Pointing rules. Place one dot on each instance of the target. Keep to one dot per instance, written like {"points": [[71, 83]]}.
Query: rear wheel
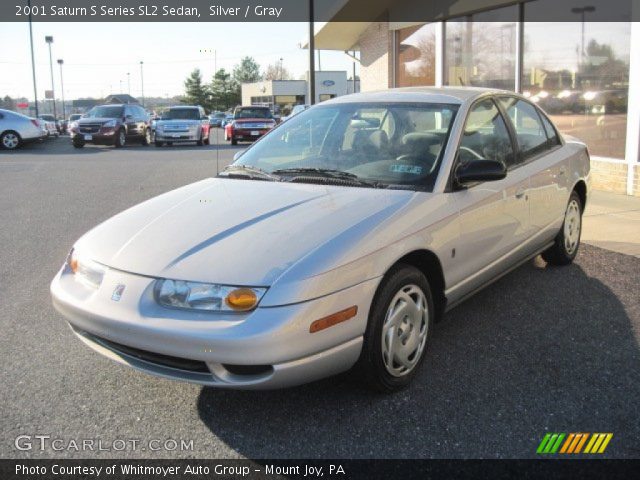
{"points": [[567, 242], [399, 328], [121, 138], [158, 144], [200, 142], [10, 140], [234, 141]]}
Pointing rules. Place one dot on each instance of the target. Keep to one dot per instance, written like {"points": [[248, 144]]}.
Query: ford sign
{"points": [[328, 83]]}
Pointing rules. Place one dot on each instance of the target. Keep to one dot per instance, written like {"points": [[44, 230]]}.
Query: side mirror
{"points": [[480, 171], [238, 155]]}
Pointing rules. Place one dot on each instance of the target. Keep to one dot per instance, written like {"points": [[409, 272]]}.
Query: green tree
{"points": [[248, 71], [225, 91], [196, 93]]}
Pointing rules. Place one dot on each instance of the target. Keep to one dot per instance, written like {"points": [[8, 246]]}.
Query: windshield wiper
{"points": [[327, 173], [247, 171]]}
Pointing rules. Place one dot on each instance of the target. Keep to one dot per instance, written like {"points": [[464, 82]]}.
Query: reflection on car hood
{"points": [[178, 121], [237, 232], [82, 121]]}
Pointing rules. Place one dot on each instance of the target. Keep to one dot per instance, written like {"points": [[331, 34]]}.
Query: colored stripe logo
{"points": [[573, 443]]}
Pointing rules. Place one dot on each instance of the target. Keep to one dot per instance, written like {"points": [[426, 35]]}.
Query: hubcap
{"points": [[572, 225], [404, 332], [10, 140], [123, 138]]}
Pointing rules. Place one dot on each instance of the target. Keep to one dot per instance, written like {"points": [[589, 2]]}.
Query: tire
{"points": [[234, 141], [207, 140], [201, 141], [158, 144], [121, 138], [390, 369], [146, 138], [10, 140], [78, 144], [567, 242], [169, 144]]}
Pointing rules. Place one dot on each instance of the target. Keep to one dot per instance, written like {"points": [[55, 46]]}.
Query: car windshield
{"points": [[383, 144], [219, 115], [75, 117], [105, 112], [181, 114], [48, 118], [253, 113]]}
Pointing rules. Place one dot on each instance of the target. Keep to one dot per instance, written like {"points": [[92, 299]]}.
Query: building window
{"points": [[416, 56], [580, 80], [326, 96], [480, 49]]}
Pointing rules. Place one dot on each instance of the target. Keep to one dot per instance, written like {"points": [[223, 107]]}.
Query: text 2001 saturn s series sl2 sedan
{"points": [[333, 242]]}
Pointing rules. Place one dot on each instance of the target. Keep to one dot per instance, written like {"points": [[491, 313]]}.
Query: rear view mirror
{"points": [[480, 170]]}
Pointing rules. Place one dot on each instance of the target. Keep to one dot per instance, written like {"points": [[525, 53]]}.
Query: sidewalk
{"points": [[612, 221]]}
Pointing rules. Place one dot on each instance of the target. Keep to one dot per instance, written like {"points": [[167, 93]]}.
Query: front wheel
{"points": [[146, 139], [399, 328], [121, 138], [565, 247], [234, 141], [158, 144]]}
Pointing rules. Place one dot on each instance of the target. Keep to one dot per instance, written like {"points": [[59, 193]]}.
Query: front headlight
{"points": [[109, 124], [207, 296], [84, 270]]}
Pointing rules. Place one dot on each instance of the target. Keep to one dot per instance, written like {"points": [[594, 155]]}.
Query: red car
{"points": [[249, 124]]}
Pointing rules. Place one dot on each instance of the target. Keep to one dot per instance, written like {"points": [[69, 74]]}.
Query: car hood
{"points": [[178, 121], [237, 232], [83, 121]]}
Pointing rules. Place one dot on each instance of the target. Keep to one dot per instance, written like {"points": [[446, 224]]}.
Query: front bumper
{"points": [[177, 136], [99, 138], [248, 134], [268, 348]]}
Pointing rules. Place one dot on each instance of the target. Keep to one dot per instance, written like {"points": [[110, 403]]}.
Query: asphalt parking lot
{"points": [[542, 350]]}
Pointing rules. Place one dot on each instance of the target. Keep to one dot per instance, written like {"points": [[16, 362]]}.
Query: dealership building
{"points": [[282, 95], [585, 74]]}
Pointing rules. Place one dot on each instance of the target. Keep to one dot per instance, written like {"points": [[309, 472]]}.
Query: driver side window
{"points": [[486, 136]]}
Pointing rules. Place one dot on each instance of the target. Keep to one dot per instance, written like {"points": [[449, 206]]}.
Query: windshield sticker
{"points": [[414, 169]]}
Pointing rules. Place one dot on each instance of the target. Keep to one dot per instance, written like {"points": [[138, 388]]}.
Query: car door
{"points": [[542, 157], [493, 216]]}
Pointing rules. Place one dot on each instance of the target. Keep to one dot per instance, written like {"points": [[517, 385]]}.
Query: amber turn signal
{"points": [[242, 299], [333, 319]]}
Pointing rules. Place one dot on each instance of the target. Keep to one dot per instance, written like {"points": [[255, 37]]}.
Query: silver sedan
{"points": [[332, 243], [17, 129]]}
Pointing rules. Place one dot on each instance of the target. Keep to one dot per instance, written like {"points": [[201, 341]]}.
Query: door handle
{"points": [[520, 193]]}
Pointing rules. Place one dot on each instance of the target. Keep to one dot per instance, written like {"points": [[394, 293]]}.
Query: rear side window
{"points": [[530, 133], [552, 134], [486, 136]]}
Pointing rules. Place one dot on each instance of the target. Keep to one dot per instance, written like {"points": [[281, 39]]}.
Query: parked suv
{"points": [[112, 125], [249, 123], [183, 124]]}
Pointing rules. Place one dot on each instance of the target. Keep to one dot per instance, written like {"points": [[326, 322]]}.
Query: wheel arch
{"points": [[429, 264], [581, 189]]}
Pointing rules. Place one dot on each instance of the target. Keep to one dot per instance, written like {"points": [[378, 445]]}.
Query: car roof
{"points": [[183, 107], [451, 95]]}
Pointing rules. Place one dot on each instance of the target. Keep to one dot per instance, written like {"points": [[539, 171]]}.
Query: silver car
{"points": [[333, 242], [182, 124], [17, 129]]}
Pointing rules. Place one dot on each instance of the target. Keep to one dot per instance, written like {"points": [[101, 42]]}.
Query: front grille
{"points": [[255, 126], [90, 127], [151, 357]]}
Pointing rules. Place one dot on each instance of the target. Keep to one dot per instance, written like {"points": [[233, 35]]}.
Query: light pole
{"points": [[312, 57], [582, 11], [142, 82], [64, 113], [49, 40], [33, 61], [281, 68], [128, 83], [120, 86]]}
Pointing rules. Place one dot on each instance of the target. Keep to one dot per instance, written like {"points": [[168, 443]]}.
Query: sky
{"points": [[98, 56]]}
